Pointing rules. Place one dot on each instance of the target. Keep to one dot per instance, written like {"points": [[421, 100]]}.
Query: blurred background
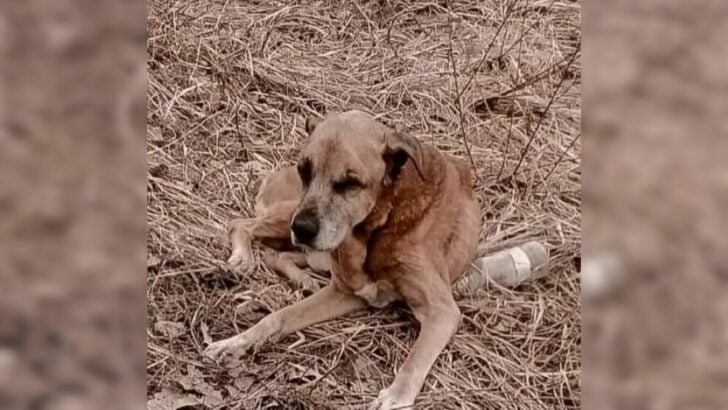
{"points": [[72, 204], [655, 186], [72, 200]]}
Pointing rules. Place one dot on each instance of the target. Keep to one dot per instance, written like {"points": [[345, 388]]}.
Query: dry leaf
{"points": [[251, 310], [194, 382], [169, 400], [155, 135], [233, 392], [170, 329], [158, 171], [153, 260], [243, 383]]}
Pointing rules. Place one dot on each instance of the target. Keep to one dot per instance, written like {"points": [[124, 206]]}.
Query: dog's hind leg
{"points": [[289, 264], [239, 232], [272, 222]]}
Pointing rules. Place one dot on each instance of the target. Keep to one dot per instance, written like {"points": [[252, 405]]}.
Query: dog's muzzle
{"points": [[305, 227]]}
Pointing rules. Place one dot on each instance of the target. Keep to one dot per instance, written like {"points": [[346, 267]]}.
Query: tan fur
{"points": [[405, 235]]}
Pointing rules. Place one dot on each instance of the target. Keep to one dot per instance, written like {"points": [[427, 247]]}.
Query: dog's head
{"points": [[349, 158]]}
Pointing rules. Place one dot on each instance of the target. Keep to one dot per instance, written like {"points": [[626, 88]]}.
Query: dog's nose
{"points": [[305, 226]]}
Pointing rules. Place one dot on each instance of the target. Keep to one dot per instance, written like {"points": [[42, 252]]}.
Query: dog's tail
{"points": [[508, 268]]}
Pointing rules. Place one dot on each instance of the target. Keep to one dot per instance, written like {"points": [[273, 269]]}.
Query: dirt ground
{"points": [[497, 82]]}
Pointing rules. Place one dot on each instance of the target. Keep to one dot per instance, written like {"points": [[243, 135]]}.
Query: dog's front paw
{"points": [[240, 256], [308, 285], [227, 350], [389, 399]]}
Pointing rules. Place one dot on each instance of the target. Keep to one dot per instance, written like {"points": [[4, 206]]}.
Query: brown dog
{"points": [[398, 213]]}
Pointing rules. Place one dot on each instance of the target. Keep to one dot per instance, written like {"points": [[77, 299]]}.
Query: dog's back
{"points": [[454, 215], [465, 228], [283, 185]]}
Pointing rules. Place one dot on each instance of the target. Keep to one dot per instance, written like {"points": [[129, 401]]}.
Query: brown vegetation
{"points": [[230, 84]]}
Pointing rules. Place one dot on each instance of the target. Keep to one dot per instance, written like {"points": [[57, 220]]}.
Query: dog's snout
{"points": [[305, 226]]}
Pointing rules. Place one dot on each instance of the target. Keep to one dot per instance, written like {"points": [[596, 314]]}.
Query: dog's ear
{"points": [[398, 149], [312, 123]]}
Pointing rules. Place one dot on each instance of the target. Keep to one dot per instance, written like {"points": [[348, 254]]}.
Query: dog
{"points": [[397, 211]]}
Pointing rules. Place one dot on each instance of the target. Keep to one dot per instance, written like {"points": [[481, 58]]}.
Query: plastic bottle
{"points": [[509, 268]]}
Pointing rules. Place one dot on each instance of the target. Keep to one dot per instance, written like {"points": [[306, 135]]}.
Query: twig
{"points": [[558, 161], [458, 103], [524, 32], [546, 110], [542, 74], [511, 7], [513, 100]]}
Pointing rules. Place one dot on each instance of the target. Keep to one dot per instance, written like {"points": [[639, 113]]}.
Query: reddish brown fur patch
{"points": [[432, 225]]}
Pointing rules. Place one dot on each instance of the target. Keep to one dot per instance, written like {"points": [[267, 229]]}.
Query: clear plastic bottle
{"points": [[509, 267]]}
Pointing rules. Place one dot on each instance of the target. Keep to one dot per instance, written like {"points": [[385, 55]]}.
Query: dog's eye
{"points": [[305, 171], [347, 184]]}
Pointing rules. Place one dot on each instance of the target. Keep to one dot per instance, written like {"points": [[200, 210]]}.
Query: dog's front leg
{"points": [[439, 317], [325, 304]]}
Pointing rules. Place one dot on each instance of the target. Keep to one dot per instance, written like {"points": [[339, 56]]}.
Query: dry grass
{"points": [[230, 84]]}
